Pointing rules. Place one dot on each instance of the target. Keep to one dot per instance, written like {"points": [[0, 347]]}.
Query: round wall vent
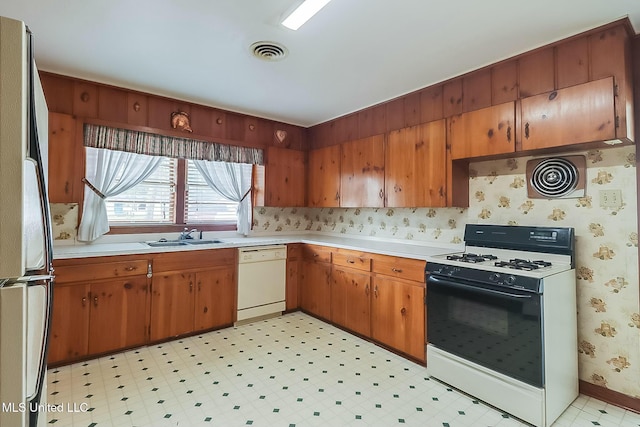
{"points": [[269, 51], [555, 177]]}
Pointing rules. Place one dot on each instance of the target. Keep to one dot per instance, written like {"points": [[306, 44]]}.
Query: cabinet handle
{"points": [[84, 301], [190, 286], [509, 134], [381, 194], [337, 195], [526, 130], [396, 270], [130, 268], [66, 187], [553, 95], [95, 301], [403, 311], [350, 261], [375, 291], [366, 290], [149, 271]]}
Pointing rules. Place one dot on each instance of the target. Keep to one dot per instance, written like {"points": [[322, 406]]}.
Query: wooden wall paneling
{"points": [[137, 109], [372, 121], [219, 124], [536, 72], [58, 91], [160, 110], [395, 114], [412, 109], [235, 127], [572, 60], [504, 82], [112, 104], [610, 55], [321, 136], [257, 131], [62, 140], [431, 104], [476, 90], [85, 99], [201, 120], [345, 128], [452, 97]]}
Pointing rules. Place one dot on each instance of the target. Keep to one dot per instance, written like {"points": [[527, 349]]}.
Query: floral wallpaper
{"points": [[606, 246], [64, 222]]}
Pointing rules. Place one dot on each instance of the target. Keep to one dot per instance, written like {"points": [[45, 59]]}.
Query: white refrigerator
{"points": [[26, 281]]}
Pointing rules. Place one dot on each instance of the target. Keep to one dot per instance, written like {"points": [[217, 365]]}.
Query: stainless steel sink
{"points": [[202, 242], [167, 243]]}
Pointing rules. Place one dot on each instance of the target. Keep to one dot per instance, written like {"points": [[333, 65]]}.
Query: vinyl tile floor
{"points": [[289, 371]]}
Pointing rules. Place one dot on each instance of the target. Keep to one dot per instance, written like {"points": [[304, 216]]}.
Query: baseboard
{"points": [[610, 396]]}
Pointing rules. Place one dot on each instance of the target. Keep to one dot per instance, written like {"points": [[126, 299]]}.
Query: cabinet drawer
{"points": [[105, 270], [402, 268], [317, 253], [352, 259], [193, 260]]}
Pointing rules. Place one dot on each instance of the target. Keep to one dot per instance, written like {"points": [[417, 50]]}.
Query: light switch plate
{"points": [[610, 198]]}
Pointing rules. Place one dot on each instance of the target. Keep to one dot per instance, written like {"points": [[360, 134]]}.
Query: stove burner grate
{"points": [[472, 258], [523, 264]]}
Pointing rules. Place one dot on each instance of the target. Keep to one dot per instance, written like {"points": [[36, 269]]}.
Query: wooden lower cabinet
{"points": [[315, 288], [98, 317], [292, 297], [350, 301], [215, 298], [398, 315], [172, 305]]}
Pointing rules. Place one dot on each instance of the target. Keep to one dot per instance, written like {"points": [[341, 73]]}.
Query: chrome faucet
{"points": [[186, 234]]}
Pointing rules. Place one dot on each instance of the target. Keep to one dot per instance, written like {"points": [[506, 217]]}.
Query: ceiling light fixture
{"points": [[303, 13]]}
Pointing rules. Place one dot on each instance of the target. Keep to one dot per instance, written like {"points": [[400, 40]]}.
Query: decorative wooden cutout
{"points": [[84, 97], [136, 106], [180, 121], [281, 135]]}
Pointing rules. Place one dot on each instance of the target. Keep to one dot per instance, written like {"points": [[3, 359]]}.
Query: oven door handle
{"points": [[432, 280]]}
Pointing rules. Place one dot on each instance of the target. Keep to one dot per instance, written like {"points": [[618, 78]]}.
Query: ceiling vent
{"points": [[556, 177], [269, 51]]}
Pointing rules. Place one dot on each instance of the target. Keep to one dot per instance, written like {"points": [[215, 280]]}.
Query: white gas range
{"points": [[501, 319]]}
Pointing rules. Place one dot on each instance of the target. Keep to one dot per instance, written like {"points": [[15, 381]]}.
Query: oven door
{"points": [[500, 329]]}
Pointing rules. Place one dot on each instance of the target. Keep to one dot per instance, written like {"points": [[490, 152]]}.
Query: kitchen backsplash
{"points": [[606, 245]]}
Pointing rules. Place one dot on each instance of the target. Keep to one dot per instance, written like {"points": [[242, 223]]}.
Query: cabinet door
{"points": [[70, 323], [172, 305], [350, 301], [483, 132], [324, 177], [62, 135], [215, 298], [284, 177], [582, 113], [118, 314], [315, 288], [293, 284], [415, 173], [398, 315], [362, 173]]}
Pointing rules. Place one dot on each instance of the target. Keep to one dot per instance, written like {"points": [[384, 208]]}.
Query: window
{"points": [[202, 203], [152, 201]]}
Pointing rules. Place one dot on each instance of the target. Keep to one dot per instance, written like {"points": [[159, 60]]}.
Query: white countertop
{"points": [[406, 248]]}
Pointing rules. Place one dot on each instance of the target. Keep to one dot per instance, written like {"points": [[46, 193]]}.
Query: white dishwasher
{"points": [[261, 281]]}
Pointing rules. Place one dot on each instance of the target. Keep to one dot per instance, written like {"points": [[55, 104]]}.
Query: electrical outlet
{"points": [[610, 198]]}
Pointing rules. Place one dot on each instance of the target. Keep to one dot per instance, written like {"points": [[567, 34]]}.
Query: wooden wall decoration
{"points": [[180, 121]]}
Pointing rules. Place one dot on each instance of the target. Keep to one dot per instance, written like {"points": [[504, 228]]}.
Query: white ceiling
{"points": [[351, 55]]}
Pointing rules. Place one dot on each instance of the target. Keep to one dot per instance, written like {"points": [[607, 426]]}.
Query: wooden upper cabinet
{"points": [[573, 62], [504, 82], [484, 132], [536, 73], [582, 113], [476, 90], [284, 177], [362, 176], [324, 177], [415, 171], [62, 144]]}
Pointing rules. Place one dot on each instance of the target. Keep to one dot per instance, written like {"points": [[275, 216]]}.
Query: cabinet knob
{"points": [[350, 261], [396, 270], [149, 272], [509, 134], [131, 268], [95, 301], [84, 301], [526, 130]]}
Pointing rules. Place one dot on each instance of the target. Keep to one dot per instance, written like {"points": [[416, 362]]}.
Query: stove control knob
{"points": [[510, 280], [494, 277]]}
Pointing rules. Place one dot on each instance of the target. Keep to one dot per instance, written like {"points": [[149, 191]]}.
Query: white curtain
{"points": [[233, 182], [115, 172]]}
